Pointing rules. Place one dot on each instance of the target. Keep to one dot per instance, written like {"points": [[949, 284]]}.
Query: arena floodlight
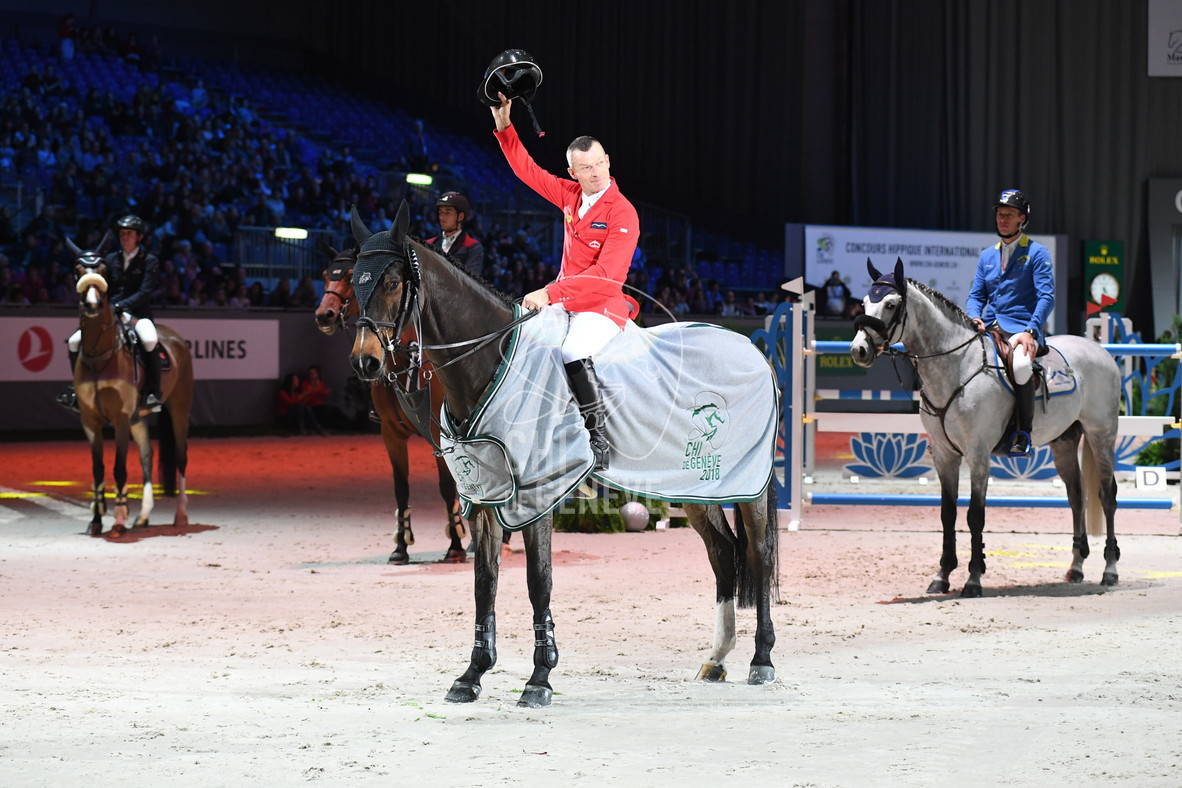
{"points": [[419, 178], [291, 233]]}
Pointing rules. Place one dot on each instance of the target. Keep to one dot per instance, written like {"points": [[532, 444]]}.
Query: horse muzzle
{"points": [[326, 320], [367, 367], [862, 350]]}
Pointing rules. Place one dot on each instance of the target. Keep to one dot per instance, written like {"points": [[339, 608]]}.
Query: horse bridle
{"points": [[410, 307], [335, 276], [95, 361], [863, 322]]}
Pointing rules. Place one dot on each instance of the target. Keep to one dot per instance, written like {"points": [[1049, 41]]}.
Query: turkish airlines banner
{"points": [[34, 348]]}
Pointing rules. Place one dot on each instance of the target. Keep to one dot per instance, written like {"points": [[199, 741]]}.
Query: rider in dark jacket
{"points": [[454, 210]]}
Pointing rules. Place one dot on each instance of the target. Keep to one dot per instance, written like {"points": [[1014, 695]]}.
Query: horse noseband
{"points": [[863, 322]]}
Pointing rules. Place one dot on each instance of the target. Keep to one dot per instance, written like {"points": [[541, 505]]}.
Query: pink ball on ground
{"points": [[635, 516]]}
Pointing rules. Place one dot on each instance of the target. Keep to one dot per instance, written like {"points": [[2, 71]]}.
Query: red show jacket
{"points": [[596, 250]]}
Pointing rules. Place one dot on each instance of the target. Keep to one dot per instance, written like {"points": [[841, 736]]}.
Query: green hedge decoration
{"points": [[601, 515]]}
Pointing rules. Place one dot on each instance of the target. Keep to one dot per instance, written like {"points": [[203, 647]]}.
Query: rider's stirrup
{"points": [[1020, 444], [152, 403], [68, 399]]}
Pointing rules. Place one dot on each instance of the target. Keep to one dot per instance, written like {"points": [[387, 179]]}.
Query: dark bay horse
{"points": [[107, 381], [336, 308], [454, 307]]}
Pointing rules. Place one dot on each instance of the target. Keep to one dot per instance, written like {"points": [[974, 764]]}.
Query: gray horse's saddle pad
{"points": [[692, 416], [1060, 376]]}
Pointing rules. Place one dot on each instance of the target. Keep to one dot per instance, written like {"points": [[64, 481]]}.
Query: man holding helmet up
{"points": [[600, 229]]}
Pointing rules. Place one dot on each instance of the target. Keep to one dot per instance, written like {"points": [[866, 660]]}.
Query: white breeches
{"points": [[1022, 362], [144, 329], [588, 333]]}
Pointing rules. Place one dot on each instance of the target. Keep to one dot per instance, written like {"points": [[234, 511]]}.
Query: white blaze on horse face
{"points": [[867, 344], [92, 296]]}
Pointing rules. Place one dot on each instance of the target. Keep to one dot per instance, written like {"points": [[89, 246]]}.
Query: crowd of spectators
{"points": [[197, 165]]}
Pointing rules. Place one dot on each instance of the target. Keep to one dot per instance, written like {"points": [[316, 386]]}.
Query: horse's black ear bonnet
{"points": [[378, 252], [88, 258]]}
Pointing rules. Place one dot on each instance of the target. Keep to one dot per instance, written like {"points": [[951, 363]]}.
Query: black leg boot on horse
{"points": [[1020, 443], [151, 394], [68, 399], [588, 391]]}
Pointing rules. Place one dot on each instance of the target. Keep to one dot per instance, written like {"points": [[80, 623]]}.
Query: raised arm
{"points": [[550, 187]]}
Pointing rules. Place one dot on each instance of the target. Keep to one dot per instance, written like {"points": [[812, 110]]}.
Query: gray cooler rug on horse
{"points": [[691, 416]]}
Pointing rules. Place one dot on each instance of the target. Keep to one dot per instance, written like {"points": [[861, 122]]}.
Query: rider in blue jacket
{"points": [[1014, 288]]}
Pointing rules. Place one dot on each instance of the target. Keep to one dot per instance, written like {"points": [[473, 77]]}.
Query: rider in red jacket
{"points": [[601, 230]]}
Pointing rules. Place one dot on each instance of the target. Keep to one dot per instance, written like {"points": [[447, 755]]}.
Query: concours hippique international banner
{"points": [[33, 348], [944, 260]]}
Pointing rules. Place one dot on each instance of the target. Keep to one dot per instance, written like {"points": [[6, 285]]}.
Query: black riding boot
{"points": [[152, 399], [1020, 445], [68, 399], [584, 384]]}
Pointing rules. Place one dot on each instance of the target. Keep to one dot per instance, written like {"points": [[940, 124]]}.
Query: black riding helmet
{"points": [[131, 222], [515, 73], [455, 200], [1014, 198]]}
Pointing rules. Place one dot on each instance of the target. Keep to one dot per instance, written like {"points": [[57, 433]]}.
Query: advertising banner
{"points": [[943, 260], [1163, 38], [34, 348]]}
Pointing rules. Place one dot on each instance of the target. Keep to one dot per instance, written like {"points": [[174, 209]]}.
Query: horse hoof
{"points": [[712, 672], [1109, 579], [118, 530], [535, 696], [1074, 576], [181, 520], [399, 557], [455, 555], [938, 587], [971, 591], [95, 529], [761, 674], [140, 522], [463, 692]]}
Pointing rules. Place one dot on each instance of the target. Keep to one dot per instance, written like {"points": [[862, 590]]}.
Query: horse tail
{"points": [[758, 569], [167, 464], [1094, 518]]}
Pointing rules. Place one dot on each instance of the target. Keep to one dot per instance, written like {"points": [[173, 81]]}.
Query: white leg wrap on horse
{"points": [[149, 502], [588, 333], [75, 341], [1022, 362], [146, 331], [724, 631]]}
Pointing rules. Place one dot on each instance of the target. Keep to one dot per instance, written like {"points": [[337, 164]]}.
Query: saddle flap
{"points": [[1005, 352]]}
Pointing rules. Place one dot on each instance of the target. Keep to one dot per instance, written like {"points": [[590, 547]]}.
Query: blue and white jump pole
{"points": [[788, 338]]}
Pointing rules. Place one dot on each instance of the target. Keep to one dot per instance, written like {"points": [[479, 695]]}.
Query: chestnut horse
{"points": [[107, 381], [335, 309]]}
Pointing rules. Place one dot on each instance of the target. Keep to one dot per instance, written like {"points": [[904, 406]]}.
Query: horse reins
{"points": [[410, 306], [94, 361]]}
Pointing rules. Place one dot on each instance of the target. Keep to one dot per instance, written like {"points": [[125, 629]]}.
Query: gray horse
{"points": [[965, 410]]}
